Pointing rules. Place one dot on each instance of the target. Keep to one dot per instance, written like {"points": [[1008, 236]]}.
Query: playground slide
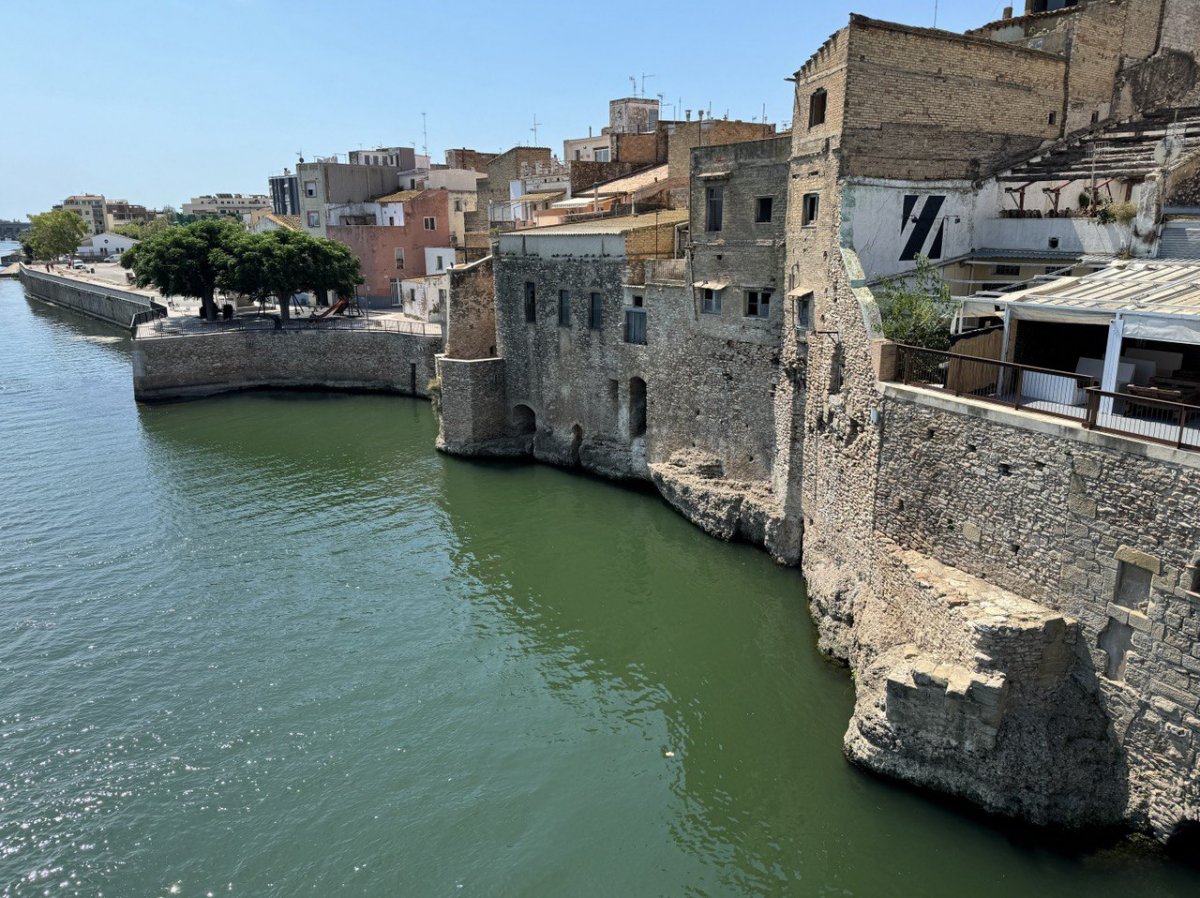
{"points": [[336, 307]]}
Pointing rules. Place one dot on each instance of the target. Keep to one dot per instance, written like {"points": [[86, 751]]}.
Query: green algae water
{"points": [[274, 645]]}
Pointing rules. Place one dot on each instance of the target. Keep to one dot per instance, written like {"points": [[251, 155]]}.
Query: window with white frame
{"points": [[430, 223], [711, 301], [314, 219], [399, 257]]}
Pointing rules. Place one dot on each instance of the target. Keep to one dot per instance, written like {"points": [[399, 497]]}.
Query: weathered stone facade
{"points": [[1018, 597]]}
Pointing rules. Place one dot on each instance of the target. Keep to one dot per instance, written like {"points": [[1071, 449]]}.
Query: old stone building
{"points": [[981, 614], [1016, 595]]}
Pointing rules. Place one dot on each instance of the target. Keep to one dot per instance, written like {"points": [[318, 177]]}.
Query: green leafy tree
{"points": [[917, 309], [282, 263], [54, 234], [192, 260]]}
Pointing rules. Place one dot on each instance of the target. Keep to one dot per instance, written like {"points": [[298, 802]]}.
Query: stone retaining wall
{"points": [[120, 308], [312, 358]]}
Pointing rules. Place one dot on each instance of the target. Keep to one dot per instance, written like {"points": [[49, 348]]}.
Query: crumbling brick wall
{"points": [[925, 105]]}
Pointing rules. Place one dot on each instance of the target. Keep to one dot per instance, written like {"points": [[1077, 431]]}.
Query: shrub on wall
{"points": [[917, 309]]}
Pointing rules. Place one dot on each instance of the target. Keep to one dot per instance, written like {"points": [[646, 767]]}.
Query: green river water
{"points": [[275, 645]]}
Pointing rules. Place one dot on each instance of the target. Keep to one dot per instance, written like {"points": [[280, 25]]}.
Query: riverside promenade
{"points": [[178, 355], [97, 296]]}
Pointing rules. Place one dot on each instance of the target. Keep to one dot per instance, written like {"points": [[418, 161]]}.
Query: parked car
{"points": [[115, 257], [79, 263]]}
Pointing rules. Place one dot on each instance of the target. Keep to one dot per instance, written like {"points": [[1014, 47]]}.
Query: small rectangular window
{"points": [[530, 302], [441, 263], [314, 219], [711, 302], [430, 223], [716, 208], [816, 108], [596, 311], [310, 188], [399, 256], [804, 312], [812, 208], [1052, 118], [1010, 271], [762, 209], [758, 303], [564, 308]]}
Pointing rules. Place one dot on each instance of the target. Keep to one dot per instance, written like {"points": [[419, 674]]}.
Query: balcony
{"points": [[1155, 415]]}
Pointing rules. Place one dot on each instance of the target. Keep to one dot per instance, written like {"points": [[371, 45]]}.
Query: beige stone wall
{"points": [[471, 311], [206, 364], [1060, 516]]}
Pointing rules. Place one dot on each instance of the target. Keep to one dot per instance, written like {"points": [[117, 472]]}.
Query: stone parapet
{"points": [[205, 364]]}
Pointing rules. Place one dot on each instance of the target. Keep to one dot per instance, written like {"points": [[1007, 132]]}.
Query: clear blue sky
{"points": [[157, 100]]}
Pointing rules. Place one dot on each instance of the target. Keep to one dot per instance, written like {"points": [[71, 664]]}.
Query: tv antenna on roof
{"points": [[534, 129], [644, 77], [633, 81], [935, 13], [425, 136]]}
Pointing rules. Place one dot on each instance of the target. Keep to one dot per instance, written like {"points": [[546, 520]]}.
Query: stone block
{"points": [[1085, 467], [1130, 555], [1082, 506], [972, 533]]}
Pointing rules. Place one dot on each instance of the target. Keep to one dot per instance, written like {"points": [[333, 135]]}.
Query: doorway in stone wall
{"points": [[637, 408], [576, 443], [524, 420]]}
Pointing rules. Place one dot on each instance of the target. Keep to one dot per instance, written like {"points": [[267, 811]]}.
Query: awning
{"points": [[974, 308], [1169, 330], [713, 175], [1058, 314], [710, 285], [799, 291]]}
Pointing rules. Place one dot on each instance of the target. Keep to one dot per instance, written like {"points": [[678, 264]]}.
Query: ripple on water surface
{"points": [[267, 645]]}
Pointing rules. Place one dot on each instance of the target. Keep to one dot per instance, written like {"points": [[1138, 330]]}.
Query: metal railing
{"points": [[1145, 417], [1136, 413], [1044, 390], [180, 326]]}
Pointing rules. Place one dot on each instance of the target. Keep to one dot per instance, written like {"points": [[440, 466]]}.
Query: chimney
{"points": [[1007, 13]]}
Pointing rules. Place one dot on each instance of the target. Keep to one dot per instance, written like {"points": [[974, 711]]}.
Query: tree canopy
{"points": [[282, 263], [192, 260], [917, 309], [54, 234], [196, 259]]}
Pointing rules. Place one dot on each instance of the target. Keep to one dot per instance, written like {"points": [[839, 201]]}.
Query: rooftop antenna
{"points": [[935, 13], [425, 136], [633, 81], [534, 129], [644, 77]]}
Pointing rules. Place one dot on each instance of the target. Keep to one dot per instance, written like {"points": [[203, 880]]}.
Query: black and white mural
{"points": [[923, 227]]}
